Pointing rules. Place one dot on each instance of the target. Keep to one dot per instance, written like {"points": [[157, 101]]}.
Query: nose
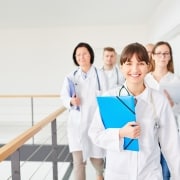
{"points": [[135, 67]]}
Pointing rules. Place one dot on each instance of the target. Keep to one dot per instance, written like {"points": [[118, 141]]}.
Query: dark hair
{"points": [[134, 48], [170, 65], [88, 47]]}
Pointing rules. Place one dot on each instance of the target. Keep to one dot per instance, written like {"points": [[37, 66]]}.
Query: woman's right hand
{"points": [[131, 130], [75, 101], [169, 98]]}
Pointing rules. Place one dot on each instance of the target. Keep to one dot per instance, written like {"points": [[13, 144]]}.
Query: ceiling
{"points": [[47, 13]]}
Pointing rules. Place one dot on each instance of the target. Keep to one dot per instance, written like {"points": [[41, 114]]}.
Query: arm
{"points": [[170, 140], [66, 98], [112, 138]]}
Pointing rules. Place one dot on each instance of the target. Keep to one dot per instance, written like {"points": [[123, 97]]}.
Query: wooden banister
{"points": [[16, 143], [29, 95]]}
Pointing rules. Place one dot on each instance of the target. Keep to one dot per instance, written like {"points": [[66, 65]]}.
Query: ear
{"points": [[152, 57]]}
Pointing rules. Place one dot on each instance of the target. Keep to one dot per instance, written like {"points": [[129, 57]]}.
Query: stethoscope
{"points": [[124, 88], [156, 119], [98, 81]]}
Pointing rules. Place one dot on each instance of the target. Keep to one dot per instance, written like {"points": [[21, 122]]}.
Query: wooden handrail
{"points": [[16, 143]]}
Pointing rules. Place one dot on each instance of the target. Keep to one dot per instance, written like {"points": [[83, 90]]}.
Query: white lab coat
{"points": [[166, 79], [79, 120], [144, 164], [114, 77]]}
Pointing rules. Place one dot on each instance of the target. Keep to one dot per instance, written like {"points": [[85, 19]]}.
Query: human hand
{"points": [[75, 101], [169, 98], [131, 130]]}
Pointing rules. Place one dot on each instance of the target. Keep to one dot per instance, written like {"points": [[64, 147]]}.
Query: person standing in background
{"points": [[163, 73], [155, 123], [78, 94], [149, 47], [113, 75]]}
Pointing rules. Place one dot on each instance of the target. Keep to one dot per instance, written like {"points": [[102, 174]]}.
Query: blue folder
{"points": [[115, 112], [72, 91], [71, 87]]}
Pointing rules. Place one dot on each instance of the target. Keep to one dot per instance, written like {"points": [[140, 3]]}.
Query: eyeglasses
{"points": [[159, 54]]}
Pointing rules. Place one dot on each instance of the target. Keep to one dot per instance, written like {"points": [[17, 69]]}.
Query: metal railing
{"points": [[13, 150]]}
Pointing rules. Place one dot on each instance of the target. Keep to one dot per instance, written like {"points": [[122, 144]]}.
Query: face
{"points": [[161, 56], [109, 57], [83, 57], [134, 71]]}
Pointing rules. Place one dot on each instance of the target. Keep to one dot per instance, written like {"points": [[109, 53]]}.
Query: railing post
{"points": [[15, 165], [32, 114], [54, 147]]}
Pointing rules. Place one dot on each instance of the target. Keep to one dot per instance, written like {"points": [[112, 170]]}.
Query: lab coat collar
{"points": [[145, 95]]}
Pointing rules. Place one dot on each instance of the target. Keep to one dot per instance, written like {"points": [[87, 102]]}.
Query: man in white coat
{"points": [[113, 75]]}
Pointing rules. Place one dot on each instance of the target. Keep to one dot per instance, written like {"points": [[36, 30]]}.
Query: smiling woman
{"points": [[154, 127]]}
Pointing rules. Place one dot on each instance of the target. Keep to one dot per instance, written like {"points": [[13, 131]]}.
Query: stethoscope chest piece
{"points": [[157, 126]]}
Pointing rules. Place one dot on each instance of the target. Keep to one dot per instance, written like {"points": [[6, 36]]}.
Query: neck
{"points": [[136, 89], [159, 73], [85, 69], [107, 67]]}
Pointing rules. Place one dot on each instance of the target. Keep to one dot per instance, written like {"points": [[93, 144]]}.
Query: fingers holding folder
{"points": [[75, 101], [119, 112], [131, 130]]}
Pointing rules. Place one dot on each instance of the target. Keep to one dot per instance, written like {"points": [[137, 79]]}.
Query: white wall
{"points": [[36, 60], [165, 25]]}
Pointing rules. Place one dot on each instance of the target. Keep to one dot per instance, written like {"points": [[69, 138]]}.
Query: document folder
{"points": [[72, 91], [172, 89], [71, 88], [115, 112]]}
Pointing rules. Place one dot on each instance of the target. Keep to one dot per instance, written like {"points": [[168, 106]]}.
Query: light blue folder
{"points": [[115, 112], [72, 91], [71, 87]]}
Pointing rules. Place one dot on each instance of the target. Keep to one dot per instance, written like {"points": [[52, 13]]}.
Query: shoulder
{"points": [[148, 76], [97, 70], [112, 92], [158, 97], [173, 76], [72, 74]]}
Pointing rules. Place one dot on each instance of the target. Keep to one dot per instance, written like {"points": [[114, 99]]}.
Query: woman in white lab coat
{"points": [[154, 125], [78, 94], [161, 76]]}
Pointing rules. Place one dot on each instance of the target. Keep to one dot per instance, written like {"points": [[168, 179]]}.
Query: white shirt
{"points": [[169, 78], [114, 77]]}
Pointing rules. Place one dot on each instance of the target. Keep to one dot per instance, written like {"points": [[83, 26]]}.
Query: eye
{"points": [[142, 63], [128, 63]]}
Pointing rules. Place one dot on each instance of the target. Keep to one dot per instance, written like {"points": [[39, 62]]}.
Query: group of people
{"points": [[141, 71]]}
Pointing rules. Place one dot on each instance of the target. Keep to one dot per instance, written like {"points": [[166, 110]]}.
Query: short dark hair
{"points": [[88, 47], [134, 48], [109, 49]]}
